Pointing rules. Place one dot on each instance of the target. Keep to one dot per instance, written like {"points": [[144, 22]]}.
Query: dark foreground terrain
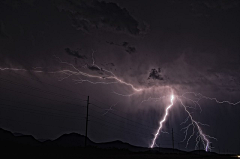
{"points": [[71, 146]]}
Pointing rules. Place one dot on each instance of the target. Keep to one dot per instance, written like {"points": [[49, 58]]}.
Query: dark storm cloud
{"points": [[87, 14], [74, 53], [155, 74], [95, 68], [90, 67], [125, 45], [109, 65], [130, 49]]}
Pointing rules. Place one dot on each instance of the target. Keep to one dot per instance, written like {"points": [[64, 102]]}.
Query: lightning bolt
{"points": [[111, 75], [200, 96], [162, 121], [202, 136], [110, 109]]}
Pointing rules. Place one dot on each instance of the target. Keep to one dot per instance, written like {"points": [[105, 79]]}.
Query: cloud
{"points": [[155, 74], [129, 49], [87, 14], [125, 44], [75, 53], [94, 68]]}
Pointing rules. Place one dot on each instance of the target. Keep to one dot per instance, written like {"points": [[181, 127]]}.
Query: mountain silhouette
{"points": [[16, 145]]}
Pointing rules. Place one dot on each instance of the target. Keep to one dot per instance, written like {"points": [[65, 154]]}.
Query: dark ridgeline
{"points": [[73, 146]]}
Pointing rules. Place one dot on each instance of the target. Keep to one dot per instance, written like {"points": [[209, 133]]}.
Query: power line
{"points": [[86, 122], [38, 89], [120, 121], [49, 84], [118, 110], [21, 121], [117, 126], [38, 106], [112, 117], [37, 111], [38, 96], [121, 130], [123, 117]]}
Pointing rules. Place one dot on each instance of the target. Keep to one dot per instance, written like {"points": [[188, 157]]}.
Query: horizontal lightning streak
{"points": [[209, 98]]}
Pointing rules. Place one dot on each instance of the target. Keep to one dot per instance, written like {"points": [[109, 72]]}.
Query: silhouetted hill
{"points": [[18, 134], [121, 145], [202, 152], [72, 146], [8, 138], [72, 140]]}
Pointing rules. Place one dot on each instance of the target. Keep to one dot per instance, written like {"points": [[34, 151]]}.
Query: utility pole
{"points": [[172, 139], [86, 123], [199, 144], [211, 146], [159, 146], [159, 149]]}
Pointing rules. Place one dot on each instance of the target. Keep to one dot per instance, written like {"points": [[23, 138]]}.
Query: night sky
{"points": [[156, 46]]}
